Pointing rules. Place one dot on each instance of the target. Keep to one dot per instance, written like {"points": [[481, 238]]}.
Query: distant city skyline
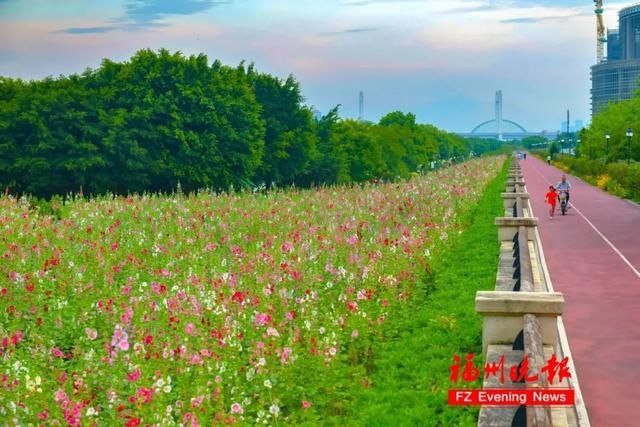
{"points": [[442, 61]]}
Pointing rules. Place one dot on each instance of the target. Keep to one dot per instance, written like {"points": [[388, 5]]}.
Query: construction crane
{"points": [[601, 38]]}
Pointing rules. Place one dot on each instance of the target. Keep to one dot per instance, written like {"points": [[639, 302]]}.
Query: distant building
{"points": [[618, 77], [614, 48], [578, 126], [317, 114]]}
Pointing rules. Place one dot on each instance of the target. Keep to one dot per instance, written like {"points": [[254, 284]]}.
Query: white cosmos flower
{"points": [[274, 409]]}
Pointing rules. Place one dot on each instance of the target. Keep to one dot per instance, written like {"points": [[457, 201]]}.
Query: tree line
{"points": [[614, 120], [162, 120]]}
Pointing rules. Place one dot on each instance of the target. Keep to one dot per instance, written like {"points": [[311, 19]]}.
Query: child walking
{"points": [[551, 198]]}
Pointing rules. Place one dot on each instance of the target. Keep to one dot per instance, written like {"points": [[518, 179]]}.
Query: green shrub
{"points": [[627, 177]]}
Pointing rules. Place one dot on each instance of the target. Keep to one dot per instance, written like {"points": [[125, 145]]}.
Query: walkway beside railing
{"points": [[521, 316]]}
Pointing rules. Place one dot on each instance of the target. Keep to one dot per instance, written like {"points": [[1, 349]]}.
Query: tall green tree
{"points": [[290, 141]]}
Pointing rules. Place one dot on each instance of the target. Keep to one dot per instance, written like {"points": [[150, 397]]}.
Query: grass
{"points": [[411, 379]]}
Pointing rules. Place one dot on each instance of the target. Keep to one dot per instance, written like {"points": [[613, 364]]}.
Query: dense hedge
{"points": [[618, 178], [163, 119]]}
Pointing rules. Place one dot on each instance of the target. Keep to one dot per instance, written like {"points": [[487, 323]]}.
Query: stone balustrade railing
{"points": [[522, 317]]}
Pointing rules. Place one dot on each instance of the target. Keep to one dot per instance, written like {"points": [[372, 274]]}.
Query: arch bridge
{"points": [[500, 134]]}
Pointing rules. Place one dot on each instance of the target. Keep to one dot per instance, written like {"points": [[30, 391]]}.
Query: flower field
{"points": [[209, 309]]}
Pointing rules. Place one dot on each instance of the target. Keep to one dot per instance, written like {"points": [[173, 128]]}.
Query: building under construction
{"points": [[617, 76]]}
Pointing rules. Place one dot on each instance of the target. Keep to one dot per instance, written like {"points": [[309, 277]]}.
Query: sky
{"points": [[441, 60]]}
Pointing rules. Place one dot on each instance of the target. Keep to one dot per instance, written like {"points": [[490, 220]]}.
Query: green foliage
{"points": [[533, 141], [489, 146], [163, 120], [618, 178], [398, 118], [290, 140], [411, 378], [145, 124], [615, 119]]}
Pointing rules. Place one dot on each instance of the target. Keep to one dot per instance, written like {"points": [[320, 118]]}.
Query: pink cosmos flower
{"points": [[127, 315], [306, 404], [155, 287], [352, 240], [286, 247], [60, 396], [134, 375], [92, 334], [120, 339], [261, 319], [285, 355], [145, 394], [197, 401], [189, 417], [236, 409], [17, 337], [57, 352], [189, 328], [44, 415], [72, 415]]}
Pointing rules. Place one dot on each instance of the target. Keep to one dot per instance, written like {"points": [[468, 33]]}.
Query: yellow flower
{"points": [[603, 180]]}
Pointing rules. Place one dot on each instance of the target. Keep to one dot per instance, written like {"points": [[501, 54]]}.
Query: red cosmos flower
{"points": [[44, 415], [16, 338], [132, 422], [237, 297], [352, 306], [148, 339]]}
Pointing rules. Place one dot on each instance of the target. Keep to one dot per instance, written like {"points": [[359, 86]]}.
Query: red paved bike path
{"points": [[601, 291]]}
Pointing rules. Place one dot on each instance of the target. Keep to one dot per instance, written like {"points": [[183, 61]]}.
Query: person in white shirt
{"points": [[565, 186]]}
